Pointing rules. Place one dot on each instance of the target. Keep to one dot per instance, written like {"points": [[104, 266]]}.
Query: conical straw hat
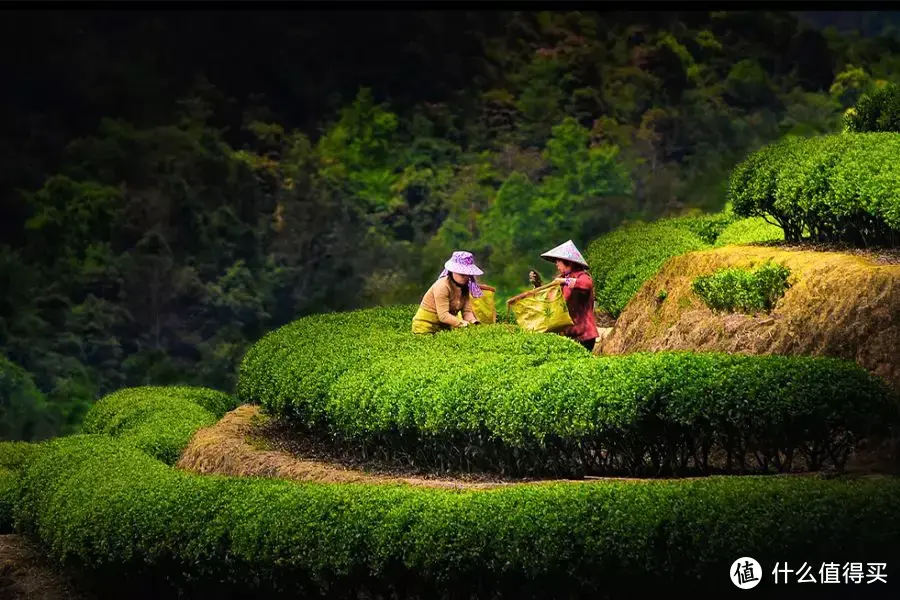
{"points": [[566, 251]]}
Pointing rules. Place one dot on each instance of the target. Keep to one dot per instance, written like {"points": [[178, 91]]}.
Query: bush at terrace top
{"points": [[745, 290], [495, 398], [125, 521], [749, 231], [622, 260], [842, 187]]}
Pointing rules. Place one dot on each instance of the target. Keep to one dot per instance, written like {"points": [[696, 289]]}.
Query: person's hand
{"points": [[534, 278], [464, 324], [567, 281]]}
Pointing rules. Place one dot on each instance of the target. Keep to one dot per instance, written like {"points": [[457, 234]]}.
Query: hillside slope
{"points": [[838, 305]]}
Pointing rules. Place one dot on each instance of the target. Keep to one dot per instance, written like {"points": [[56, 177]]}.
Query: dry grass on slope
{"points": [[233, 447], [226, 449], [840, 305]]}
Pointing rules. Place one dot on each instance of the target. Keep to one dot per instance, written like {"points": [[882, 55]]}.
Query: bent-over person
{"points": [[449, 296]]}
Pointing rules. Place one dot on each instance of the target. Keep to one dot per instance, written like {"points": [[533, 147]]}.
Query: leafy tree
{"points": [[878, 110]]}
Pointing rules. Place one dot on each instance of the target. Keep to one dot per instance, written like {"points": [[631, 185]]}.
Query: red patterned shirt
{"points": [[579, 294]]}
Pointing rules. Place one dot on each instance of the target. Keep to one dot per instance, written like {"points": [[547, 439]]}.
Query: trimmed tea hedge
{"points": [[843, 187], [749, 231], [744, 290], [622, 260], [14, 454], [13, 457], [9, 490], [158, 420], [707, 227], [110, 511], [499, 399]]}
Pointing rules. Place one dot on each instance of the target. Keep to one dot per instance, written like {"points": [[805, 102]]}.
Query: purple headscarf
{"points": [[474, 289]]}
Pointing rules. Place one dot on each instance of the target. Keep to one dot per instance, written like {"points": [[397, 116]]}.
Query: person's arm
{"points": [[467, 311], [442, 306], [582, 282]]}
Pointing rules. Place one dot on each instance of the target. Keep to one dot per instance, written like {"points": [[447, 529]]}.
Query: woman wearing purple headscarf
{"points": [[449, 296]]}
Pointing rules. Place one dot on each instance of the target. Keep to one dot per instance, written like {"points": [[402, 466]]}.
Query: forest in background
{"points": [[176, 185]]}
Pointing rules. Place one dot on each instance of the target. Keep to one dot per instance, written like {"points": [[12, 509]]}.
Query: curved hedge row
{"points": [[622, 260], [495, 398], [843, 187], [14, 454], [707, 226], [9, 491], [13, 457], [158, 420], [749, 231], [108, 510]]}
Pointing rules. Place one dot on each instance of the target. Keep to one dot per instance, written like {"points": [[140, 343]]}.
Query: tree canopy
{"points": [[173, 191]]}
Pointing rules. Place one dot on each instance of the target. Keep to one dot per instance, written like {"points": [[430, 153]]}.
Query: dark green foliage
{"points": [[878, 110], [833, 188], [494, 398], [744, 290], [158, 420], [181, 216], [24, 413], [114, 513], [623, 260], [9, 492]]}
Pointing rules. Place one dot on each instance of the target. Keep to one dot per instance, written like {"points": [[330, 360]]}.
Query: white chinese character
{"points": [[830, 573], [785, 571], [854, 572], [805, 573], [744, 573], [875, 573]]}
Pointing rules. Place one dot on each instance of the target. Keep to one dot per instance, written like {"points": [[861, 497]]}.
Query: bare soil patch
{"points": [[25, 574]]}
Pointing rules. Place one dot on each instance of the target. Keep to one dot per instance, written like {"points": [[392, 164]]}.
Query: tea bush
{"points": [[749, 231], [9, 490], [622, 260], [14, 454], [743, 290], [843, 188], [496, 398], [158, 420], [115, 514], [707, 227]]}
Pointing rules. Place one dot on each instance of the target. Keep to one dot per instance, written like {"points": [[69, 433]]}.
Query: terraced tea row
{"points": [[493, 398], [104, 507]]}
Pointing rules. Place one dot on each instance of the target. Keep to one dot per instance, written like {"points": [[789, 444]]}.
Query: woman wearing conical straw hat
{"points": [[450, 295], [578, 290]]}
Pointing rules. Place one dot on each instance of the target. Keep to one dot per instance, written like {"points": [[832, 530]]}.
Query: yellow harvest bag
{"points": [[484, 308], [542, 309]]}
